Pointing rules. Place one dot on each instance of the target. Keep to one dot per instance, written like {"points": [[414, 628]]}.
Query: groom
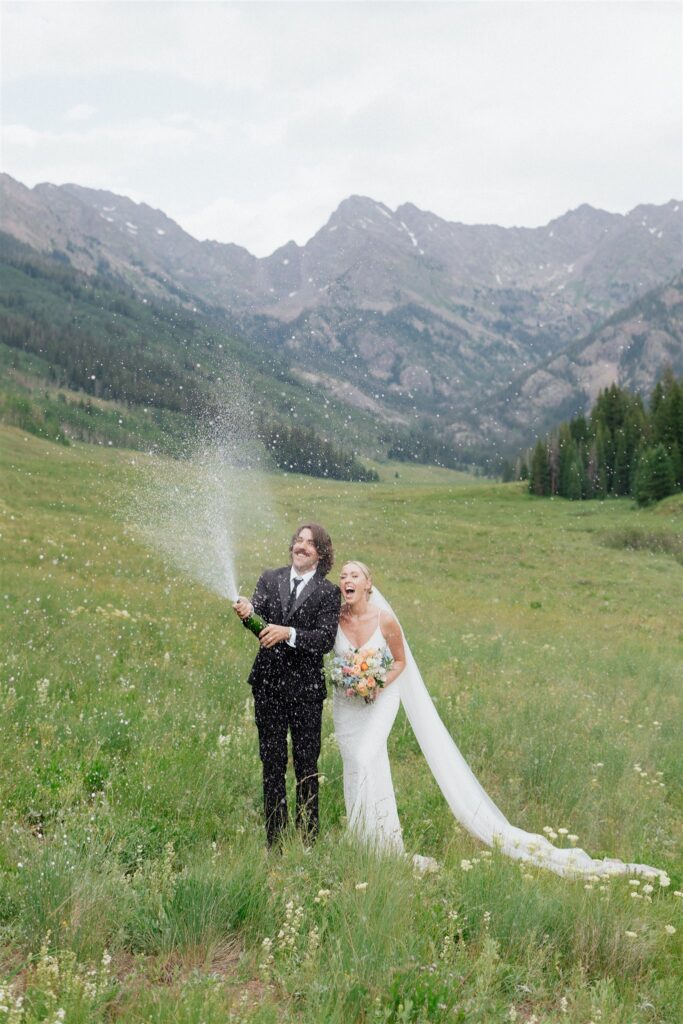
{"points": [[301, 608]]}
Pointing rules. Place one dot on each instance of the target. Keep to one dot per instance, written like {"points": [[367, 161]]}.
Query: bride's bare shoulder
{"points": [[388, 623]]}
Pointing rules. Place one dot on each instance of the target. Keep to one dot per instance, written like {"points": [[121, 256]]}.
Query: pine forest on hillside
{"points": [[621, 449]]}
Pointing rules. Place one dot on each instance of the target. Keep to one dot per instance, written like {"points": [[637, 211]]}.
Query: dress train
{"points": [[362, 732]]}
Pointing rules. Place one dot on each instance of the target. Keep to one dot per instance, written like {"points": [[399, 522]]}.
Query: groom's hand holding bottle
{"points": [[270, 634]]}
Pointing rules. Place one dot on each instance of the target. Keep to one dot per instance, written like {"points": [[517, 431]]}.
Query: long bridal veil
{"points": [[469, 802]]}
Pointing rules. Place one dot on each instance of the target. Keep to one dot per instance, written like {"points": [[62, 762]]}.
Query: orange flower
{"points": [[363, 666]]}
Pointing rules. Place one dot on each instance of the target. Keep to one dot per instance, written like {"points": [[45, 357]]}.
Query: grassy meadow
{"points": [[134, 883]]}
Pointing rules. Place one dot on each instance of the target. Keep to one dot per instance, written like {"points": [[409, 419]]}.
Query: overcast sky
{"points": [[250, 122]]}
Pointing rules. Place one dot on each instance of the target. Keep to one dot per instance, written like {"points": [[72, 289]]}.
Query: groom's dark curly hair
{"points": [[322, 543]]}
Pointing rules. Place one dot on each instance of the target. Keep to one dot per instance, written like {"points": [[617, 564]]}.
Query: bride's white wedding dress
{"points": [[362, 730]]}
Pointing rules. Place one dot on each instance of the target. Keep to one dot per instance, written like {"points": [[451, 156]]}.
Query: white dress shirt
{"points": [[304, 577]]}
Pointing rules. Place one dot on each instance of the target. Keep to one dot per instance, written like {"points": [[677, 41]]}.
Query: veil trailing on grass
{"points": [[469, 802]]}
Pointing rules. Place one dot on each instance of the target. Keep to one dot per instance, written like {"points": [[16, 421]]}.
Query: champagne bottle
{"points": [[255, 623]]}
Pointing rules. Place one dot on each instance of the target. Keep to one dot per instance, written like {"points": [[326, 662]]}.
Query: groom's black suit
{"points": [[289, 690]]}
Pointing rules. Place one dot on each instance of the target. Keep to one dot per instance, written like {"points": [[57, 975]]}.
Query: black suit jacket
{"points": [[295, 672]]}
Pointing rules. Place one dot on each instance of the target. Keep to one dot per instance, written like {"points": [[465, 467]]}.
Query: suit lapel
{"points": [[284, 589]]}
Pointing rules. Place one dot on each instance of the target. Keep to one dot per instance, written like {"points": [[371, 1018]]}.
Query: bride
{"points": [[362, 727]]}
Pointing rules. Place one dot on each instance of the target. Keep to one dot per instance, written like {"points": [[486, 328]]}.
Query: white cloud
{"points": [[80, 112]]}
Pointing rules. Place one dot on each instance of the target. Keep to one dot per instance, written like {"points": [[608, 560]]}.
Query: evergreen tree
{"points": [[603, 453], [667, 421], [577, 482], [539, 476], [567, 450], [654, 478], [579, 429]]}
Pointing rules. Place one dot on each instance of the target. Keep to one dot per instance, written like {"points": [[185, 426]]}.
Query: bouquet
{"points": [[361, 672]]}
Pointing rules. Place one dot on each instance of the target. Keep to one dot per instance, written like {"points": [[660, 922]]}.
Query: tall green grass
{"points": [[134, 885]]}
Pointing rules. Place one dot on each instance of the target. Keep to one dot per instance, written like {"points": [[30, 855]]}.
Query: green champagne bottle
{"points": [[255, 623]]}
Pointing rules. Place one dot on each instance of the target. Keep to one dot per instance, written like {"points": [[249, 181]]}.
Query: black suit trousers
{"points": [[276, 716]]}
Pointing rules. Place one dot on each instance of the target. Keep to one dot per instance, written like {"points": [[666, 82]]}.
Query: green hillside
{"points": [[84, 358], [133, 882]]}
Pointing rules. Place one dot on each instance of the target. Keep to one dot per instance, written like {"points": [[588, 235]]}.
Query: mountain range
{"points": [[492, 333]]}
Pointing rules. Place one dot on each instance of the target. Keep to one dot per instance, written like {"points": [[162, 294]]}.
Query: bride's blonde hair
{"points": [[363, 568]]}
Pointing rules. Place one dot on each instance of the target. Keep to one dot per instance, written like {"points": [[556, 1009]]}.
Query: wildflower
{"points": [[267, 961], [323, 896], [361, 886], [563, 831], [588, 885], [564, 1006], [466, 865], [648, 888], [313, 939], [572, 838], [678, 893], [634, 881], [664, 881], [631, 935], [669, 929]]}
